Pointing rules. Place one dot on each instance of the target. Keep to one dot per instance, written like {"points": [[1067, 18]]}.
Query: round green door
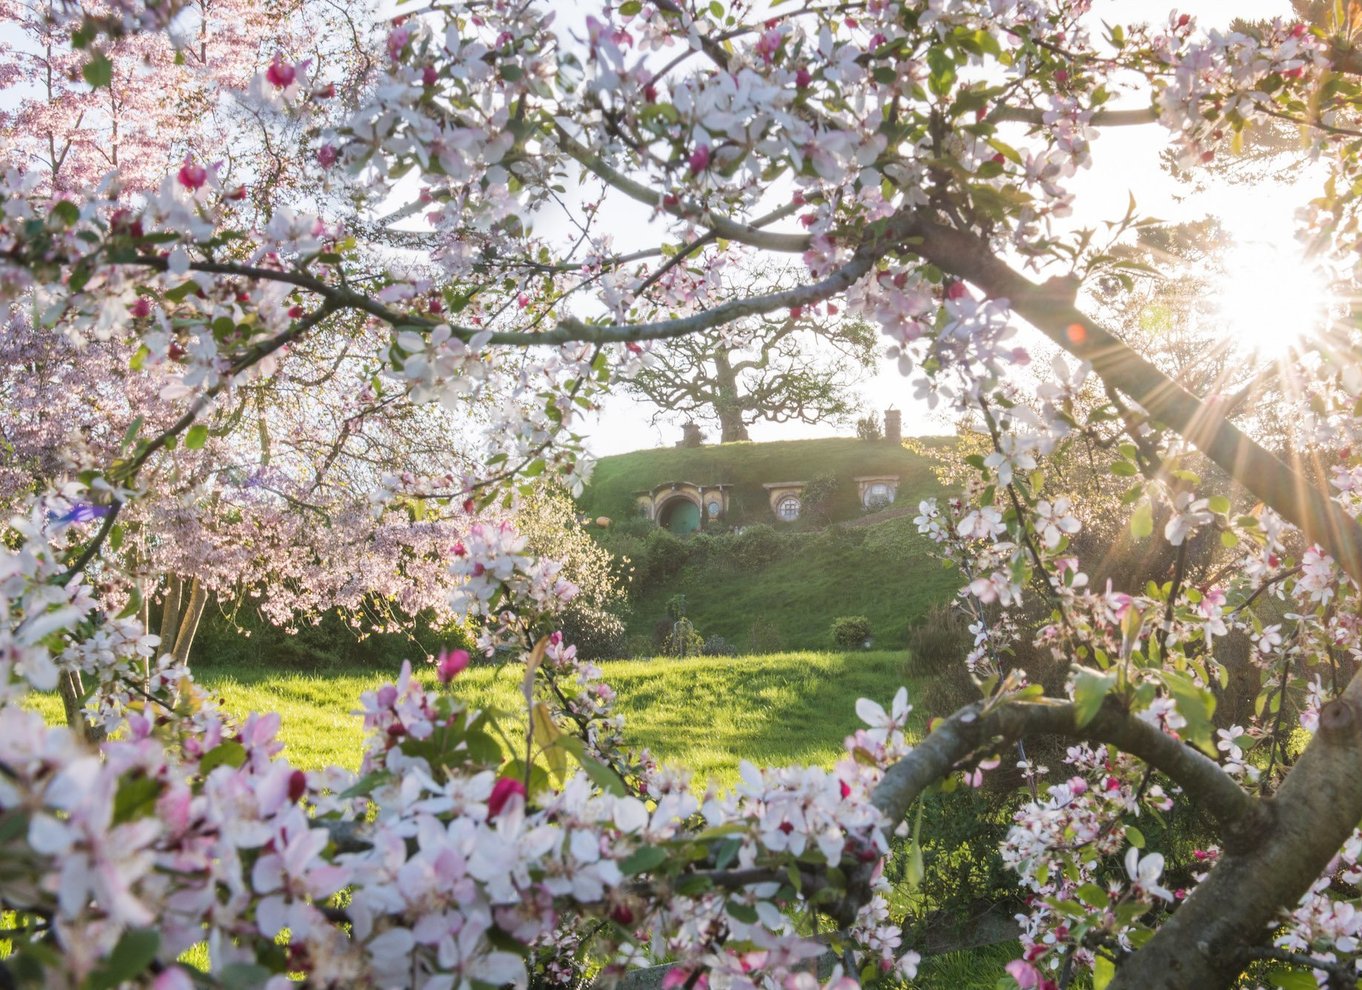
{"points": [[682, 516]]}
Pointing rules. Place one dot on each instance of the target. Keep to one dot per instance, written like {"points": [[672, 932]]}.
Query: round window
{"points": [[787, 509], [878, 495], [713, 508]]}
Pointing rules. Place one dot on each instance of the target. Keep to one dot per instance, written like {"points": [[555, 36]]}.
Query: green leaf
{"points": [[642, 860], [196, 437], [1103, 971], [745, 913], [243, 976], [135, 795], [1142, 521], [1195, 704], [1125, 469], [1291, 979], [546, 735], [631, 7], [1134, 836], [133, 954], [1090, 688], [1093, 895], [66, 212], [98, 72], [227, 754]]}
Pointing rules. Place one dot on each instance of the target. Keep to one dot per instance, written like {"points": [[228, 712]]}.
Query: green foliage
{"points": [[684, 640], [328, 643], [593, 619], [820, 497], [757, 546], [937, 647], [962, 874], [717, 646], [868, 428], [794, 584], [849, 632]]}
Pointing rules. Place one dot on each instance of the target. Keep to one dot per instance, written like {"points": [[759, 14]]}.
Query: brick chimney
{"points": [[893, 425]]}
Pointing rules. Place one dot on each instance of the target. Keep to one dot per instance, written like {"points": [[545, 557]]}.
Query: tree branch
{"points": [[976, 726], [1050, 309]]}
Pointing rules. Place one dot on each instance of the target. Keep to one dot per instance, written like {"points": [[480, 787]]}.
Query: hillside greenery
{"points": [[747, 466], [761, 585]]}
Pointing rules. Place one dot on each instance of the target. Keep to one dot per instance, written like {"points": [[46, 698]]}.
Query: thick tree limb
{"points": [[1052, 311], [975, 727]]}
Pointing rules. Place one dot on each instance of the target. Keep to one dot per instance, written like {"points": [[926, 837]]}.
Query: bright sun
{"points": [[1270, 299]]}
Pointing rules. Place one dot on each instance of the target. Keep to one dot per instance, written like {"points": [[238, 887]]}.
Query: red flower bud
{"points": [[297, 785], [280, 74], [192, 176], [502, 791], [450, 663]]}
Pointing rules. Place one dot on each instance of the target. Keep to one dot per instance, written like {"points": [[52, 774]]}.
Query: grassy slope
{"points": [[888, 575], [747, 466], [885, 572], [705, 713]]}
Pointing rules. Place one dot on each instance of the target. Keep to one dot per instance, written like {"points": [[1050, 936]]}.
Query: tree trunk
{"points": [[727, 401], [190, 614], [181, 609]]}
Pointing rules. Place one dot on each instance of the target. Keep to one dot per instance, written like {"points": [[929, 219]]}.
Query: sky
{"points": [[1125, 163]]}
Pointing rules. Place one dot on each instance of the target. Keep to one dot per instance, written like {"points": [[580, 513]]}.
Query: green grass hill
{"points": [[747, 466], [761, 584]]}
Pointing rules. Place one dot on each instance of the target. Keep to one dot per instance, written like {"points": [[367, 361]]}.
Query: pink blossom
{"points": [[451, 663]]}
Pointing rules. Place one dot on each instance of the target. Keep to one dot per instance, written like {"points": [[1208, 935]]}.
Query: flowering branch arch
{"points": [[917, 157]]}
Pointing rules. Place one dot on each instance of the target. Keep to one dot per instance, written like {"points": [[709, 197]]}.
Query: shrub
{"points": [[818, 496], [937, 647], [676, 607], [598, 635], [757, 546], [764, 636], [684, 640], [664, 555], [868, 428], [717, 646], [850, 631]]}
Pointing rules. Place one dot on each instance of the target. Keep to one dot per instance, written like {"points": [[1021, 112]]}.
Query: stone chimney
{"points": [[893, 425]]}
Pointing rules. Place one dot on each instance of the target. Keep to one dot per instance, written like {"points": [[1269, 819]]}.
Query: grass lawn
{"points": [[707, 713]]}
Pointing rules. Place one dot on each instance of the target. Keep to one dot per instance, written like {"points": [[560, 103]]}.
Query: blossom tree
{"points": [[917, 159]]}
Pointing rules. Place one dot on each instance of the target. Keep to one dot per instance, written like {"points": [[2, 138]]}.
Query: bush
{"points": [[757, 546], [850, 631], [684, 640], [717, 646], [663, 556], [936, 656], [868, 428], [598, 635], [817, 498], [764, 636]]}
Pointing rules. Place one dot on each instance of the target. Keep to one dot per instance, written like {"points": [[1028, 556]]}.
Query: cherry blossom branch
{"points": [[1050, 308], [748, 234], [1342, 973], [975, 726]]}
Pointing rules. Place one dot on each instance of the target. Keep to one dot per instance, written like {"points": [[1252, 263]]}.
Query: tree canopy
{"points": [[338, 247]]}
